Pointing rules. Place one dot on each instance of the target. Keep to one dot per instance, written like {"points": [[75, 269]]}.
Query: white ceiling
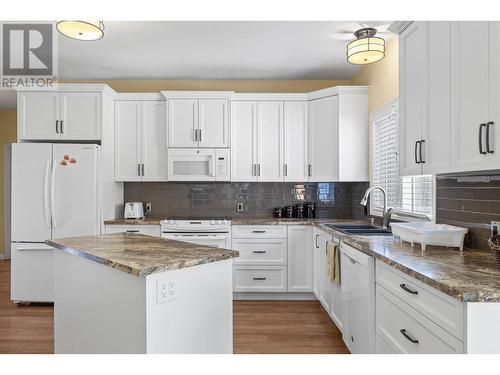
{"points": [[209, 50]]}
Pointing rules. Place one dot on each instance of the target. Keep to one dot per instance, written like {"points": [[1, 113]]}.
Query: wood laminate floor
{"points": [[260, 327]]}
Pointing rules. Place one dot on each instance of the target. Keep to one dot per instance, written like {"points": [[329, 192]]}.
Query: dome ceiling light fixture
{"points": [[366, 48], [81, 30]]}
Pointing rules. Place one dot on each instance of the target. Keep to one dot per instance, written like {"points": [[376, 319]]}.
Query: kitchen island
{"points": [[132, 293]]}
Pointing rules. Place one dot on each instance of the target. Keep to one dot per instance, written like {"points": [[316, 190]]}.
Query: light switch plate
{"points": [[239, 207], [148, 207]]}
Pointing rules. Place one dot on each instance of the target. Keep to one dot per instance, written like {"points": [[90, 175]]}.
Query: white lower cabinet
{"points": [[402, 329], [412, 317], [151, 230], [259, 279], [300, 258]]}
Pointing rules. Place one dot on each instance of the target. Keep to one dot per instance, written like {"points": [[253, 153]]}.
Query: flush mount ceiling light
{"points": [[81, 30], [367, 48]]}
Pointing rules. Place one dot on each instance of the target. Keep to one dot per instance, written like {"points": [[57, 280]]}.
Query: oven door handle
{"points": [[195, 236]]}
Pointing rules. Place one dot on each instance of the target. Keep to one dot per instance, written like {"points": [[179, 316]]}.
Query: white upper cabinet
{"points": [[413, 88], [425, 98], [80, 115], [243, 141], [128, 140], [475, 69], [59, 115], [436, 130], [213, 123], [449, 82], [323, 139], [198, 119], [38, 115], [295, 139], [154, 135], [182, 123], [269, 144], [140, 141], [256, 151]]}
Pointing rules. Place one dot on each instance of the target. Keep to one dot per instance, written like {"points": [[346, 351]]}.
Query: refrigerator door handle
{"points": [[46, 207], [53, 194]]}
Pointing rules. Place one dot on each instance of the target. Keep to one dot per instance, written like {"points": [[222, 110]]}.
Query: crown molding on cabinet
{"points": [[71, 87], [139, 96], [197, 94], [337, 90], [397, 27], [269, 96]]}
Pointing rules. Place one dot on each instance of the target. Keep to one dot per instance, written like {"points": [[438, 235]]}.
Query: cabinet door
{"points": [[300, 259], [436, 130], [182, 122], [243, 150], [38, 113], [316, 263], [127, 140], [323, 139], [80, 116], [470, 72], [413, 79], [322, 283], [494, 107], [295, 136], [213, 123], [154, 141], [269, 146]]}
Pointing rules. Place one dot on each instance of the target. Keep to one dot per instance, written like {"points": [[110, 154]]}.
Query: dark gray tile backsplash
{"points": [[469, 201], [334, 200]]}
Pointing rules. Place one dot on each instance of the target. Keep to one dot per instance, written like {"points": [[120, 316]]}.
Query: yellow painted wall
{"points": [[218, 85], [8, 134], [382, 77]]}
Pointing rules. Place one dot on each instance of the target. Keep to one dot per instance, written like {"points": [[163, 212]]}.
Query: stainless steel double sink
{"points": [[360, 229]]}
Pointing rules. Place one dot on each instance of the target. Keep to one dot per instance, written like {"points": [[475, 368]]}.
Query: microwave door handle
{"points": [[213, 159]]}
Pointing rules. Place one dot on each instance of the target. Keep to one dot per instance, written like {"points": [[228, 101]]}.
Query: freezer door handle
{"points": [[46, 207], [53, 194]]}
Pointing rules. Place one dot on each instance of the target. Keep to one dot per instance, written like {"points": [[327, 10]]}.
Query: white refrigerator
{"points": [[54, 193]]}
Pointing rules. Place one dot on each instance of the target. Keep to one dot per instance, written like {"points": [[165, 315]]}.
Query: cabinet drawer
{"points": [[151, 230], [442, 309], [259, 279], [260, 251], [405, 330], [258, 231]]}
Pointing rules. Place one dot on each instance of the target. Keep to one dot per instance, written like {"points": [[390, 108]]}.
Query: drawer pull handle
{"points": [[406, 289], [411, 339], [259, 252], [258, 231], [132, 231], [259, 278]]}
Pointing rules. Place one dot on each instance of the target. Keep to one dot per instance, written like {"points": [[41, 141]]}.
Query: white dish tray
{"points": [[430, 234]]}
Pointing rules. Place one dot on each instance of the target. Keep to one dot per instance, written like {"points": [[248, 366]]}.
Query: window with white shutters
{"points": [[409, 195]]}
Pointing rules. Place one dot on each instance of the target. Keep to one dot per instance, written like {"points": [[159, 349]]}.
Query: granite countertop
{"points": [[139, 254], [469, 276]]}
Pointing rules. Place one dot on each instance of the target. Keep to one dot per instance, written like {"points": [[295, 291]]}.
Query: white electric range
{"points": [[215, 232]]}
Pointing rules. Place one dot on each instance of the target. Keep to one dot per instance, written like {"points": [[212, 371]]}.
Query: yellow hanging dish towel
{"points": [[333, 262]]}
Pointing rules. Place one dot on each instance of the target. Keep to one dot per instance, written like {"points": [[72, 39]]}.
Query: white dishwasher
{"points": [[358, 288]]}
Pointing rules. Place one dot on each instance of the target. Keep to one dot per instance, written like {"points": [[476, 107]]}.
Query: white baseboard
{"points": [[274, 296]]}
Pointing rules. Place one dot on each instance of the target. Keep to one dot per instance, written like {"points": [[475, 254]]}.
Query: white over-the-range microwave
{"points": [[198, 164]]}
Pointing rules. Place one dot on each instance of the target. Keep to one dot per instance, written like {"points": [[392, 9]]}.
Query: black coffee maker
{"points": [[311, 210]]}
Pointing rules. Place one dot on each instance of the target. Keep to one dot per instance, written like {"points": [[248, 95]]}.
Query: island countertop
{"points": [[139, 254]]}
